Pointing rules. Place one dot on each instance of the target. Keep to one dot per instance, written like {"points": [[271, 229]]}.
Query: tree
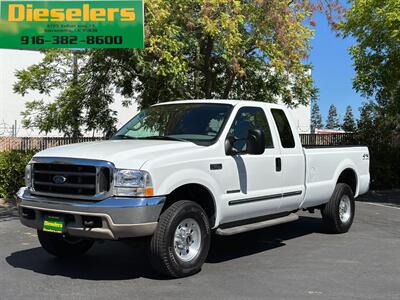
{"points": [[349, 125], [332, 121], [194, 49], [375, 26], [217, 49], [375, 130], [316, 118], [81, 99]]}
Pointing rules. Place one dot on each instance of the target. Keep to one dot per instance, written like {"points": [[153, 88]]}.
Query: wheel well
{"points": [[196, 193], [349, 177]]}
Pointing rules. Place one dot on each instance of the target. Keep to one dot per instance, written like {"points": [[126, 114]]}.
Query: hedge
{"points": [[12, 171], [384, 167]]}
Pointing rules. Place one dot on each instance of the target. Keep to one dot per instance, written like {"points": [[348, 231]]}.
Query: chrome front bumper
{"points": [[118, 217]]}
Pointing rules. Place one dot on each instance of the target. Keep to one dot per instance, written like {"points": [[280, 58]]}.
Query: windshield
{"points": [[195, 122]]}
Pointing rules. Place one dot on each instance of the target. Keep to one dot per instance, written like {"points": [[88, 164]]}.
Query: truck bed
{"points": [[324, 165]]}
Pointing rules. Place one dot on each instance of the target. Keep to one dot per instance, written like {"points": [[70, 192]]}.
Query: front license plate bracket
{"points": [[54, 224]]}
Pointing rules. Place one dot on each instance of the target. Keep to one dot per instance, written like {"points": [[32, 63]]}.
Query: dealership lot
{"points": [[293, 261]]}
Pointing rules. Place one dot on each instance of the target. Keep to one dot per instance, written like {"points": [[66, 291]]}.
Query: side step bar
{"points": [[253, 226]]}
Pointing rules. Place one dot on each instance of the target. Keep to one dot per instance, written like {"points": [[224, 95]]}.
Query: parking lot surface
{"points": [[299, 260]]}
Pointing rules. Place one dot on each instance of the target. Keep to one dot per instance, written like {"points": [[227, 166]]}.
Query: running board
{"points": [[253, 226]]}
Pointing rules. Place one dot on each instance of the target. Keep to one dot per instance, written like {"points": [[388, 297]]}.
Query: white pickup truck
{"points": [[181, 171]]}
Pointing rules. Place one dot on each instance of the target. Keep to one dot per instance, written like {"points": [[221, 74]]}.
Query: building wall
{"points": [[302, 117], [11, 105]]}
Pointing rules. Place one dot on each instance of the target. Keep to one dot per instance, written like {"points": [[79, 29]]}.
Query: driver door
{"points": [[254, 186]]}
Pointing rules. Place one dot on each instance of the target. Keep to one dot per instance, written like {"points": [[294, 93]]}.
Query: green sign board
{"points": [[71, 24]]}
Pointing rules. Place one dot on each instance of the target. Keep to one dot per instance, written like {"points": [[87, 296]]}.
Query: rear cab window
{"points": [[285, 131]]}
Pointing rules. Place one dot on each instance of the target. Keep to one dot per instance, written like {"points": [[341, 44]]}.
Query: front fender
{"points": [[192, 176]]}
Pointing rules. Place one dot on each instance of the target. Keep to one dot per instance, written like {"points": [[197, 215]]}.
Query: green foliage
{"points": [[375, 25], [332, 121], [215, 49], [12, 171], [349, 124], [79, 101], [374, 130], [316, 118]]}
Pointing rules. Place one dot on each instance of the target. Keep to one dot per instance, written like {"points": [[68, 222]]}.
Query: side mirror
{"points": [[256, 142], [229, 146]]}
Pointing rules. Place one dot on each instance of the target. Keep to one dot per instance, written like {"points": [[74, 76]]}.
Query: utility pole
{"points": [[75, 67], [75, 82]]}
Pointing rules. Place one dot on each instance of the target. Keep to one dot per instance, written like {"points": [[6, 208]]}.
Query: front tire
{"points": [[61, 246], [338, 213], [181, 242]]}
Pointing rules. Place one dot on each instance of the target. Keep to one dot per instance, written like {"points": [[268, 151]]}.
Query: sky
{"points": [[333, 70]]}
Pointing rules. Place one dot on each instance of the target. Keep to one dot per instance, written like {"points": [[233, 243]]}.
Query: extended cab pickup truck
{"points": [[181, 171]]}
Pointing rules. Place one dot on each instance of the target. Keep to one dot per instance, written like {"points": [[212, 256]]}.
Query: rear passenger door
{"points": [[292, 162]]}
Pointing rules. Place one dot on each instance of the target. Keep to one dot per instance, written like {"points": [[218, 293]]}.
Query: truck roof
{"points": [[222, 101]]}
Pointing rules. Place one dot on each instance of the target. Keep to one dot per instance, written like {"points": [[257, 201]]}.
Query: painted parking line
{"points": [[381, 205]]}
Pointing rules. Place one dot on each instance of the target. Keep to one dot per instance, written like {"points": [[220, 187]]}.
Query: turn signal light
{"points": [[149, 192]]}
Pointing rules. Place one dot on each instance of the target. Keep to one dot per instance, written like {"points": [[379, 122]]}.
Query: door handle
{"points": [[278, 164]]}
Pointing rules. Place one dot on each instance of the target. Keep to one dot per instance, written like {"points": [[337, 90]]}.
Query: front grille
{"points": [[70, 179]]}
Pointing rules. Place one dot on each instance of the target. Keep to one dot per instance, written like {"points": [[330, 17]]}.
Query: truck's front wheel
{"points": [[338, 213], [61, 246], [181, 242]]}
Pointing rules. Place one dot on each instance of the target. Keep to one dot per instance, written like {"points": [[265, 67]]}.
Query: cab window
{"points": [[250, 118], [284, 129]]}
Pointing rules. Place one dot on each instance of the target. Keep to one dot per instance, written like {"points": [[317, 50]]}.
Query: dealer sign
{"points": [[71, 24]]}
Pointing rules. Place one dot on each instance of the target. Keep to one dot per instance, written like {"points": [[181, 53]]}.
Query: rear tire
{"points": [[61, 246], [338, 213], [181, 241]]}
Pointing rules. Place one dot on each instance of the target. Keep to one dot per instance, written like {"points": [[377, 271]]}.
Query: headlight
{"points": [[28, 176], [133, 183]]}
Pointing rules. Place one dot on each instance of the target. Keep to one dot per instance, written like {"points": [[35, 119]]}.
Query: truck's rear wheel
{"points": [[61, 246], [181, 242], [338, 213]]}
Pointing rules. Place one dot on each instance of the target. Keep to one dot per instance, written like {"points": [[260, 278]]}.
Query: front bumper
{"points": [[117, 217]]}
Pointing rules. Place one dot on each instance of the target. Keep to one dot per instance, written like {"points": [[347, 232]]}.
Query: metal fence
{"points": [[337, 139], [41, 143]]}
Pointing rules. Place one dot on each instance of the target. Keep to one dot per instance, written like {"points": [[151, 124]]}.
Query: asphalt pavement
{"points": [[299, 260]]}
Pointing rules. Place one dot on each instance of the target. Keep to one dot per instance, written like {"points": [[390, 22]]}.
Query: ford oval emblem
{"points": [[58, 179]]}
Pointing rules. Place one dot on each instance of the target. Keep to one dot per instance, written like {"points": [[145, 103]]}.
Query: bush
{"points": [[378, 129], [12, 171], [385, 167]]}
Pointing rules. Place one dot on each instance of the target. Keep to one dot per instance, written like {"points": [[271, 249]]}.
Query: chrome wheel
{"points": [[345, 209], [187, 240]]}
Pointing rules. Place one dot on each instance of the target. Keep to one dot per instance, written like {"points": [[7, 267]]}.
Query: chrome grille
{"points": [[72, 180]]}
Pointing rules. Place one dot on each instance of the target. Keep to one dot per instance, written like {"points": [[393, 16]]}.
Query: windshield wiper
{"points": [[164, 137], [123, 137], [160, 137]]}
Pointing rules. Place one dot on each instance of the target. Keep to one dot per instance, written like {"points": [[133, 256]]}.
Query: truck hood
{"points": [[130, 154]]}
